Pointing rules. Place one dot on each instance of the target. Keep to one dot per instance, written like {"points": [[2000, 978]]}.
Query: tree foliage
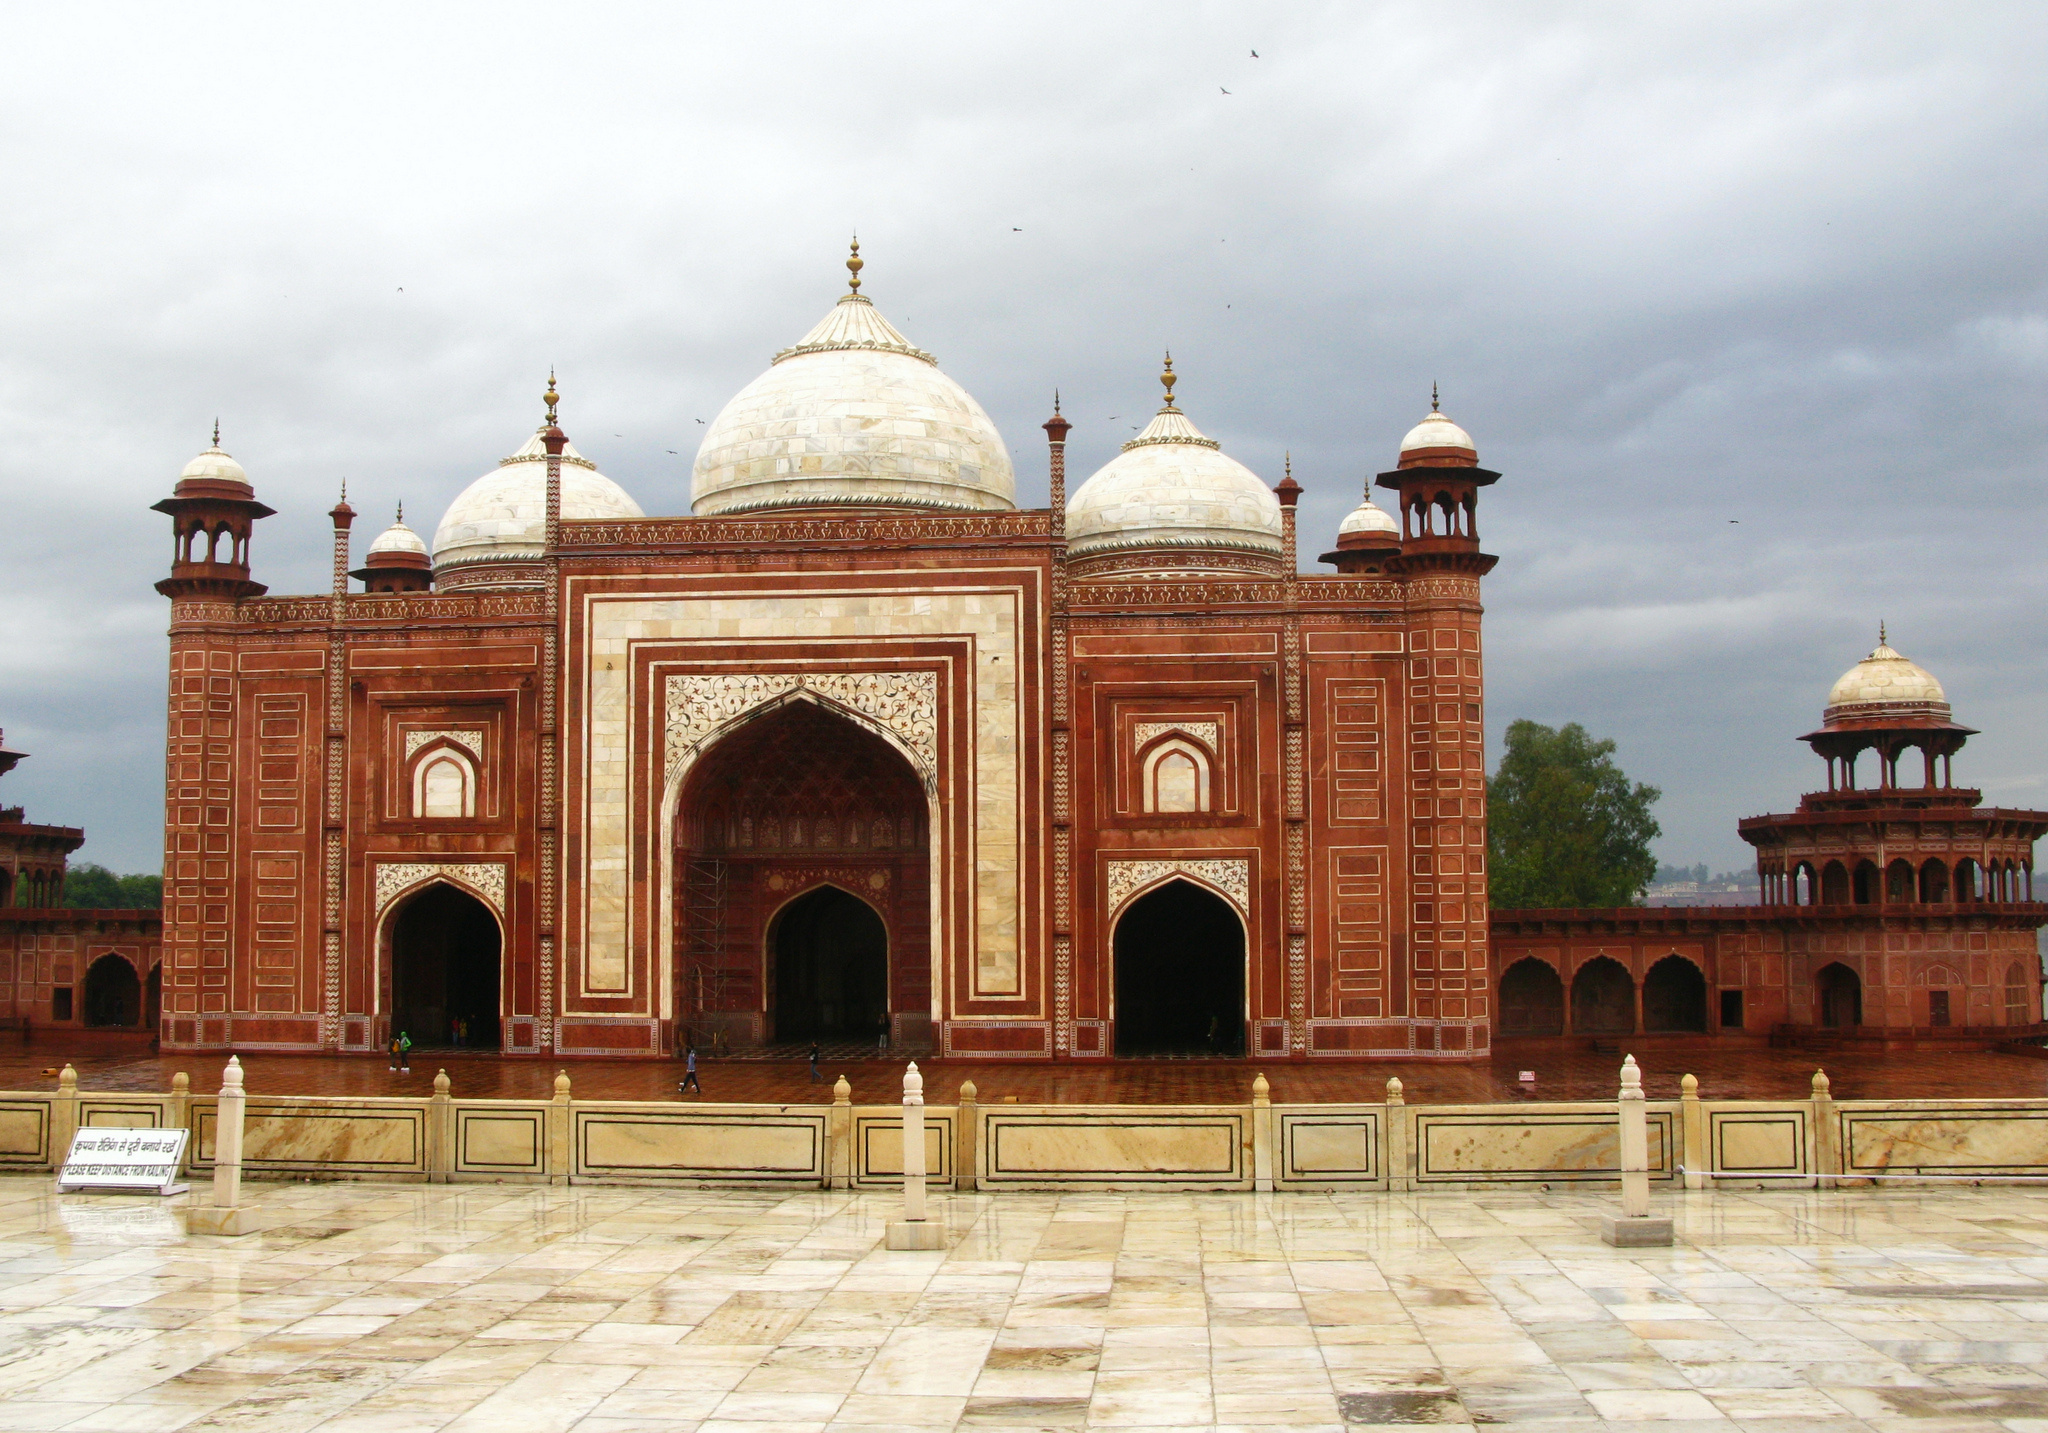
{"points": [[89, 887], [1566, 828]]}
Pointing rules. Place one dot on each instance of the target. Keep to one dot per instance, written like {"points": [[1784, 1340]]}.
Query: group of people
{"points": [[690, 1082]]}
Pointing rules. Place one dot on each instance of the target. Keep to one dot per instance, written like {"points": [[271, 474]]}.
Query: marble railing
{"points": [[1390, 1146]]}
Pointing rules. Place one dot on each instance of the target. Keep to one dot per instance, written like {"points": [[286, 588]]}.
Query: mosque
{"points": [[861, 751], [858, 750]]}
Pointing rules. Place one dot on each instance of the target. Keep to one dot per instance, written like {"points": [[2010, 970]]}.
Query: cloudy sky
{"points": [[1749, 303]]}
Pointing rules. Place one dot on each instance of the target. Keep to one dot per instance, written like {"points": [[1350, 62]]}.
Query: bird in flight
{"points": [[1221, 88], [1015, 230], [1255, 54], [700, 420], [671, 450]]}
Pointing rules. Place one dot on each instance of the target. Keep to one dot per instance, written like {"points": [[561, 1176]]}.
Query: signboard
{"points": [[111, 1158]]}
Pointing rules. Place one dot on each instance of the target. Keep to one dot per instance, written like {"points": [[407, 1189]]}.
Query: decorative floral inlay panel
{"points": [[904, 705], [471, 741], [1206, 732], [487, 879], [1233, 878]]}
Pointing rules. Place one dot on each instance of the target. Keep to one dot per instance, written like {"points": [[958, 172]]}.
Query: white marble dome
{"points": [[1436, 433], [855, 414], [1171, 487], [1884, 684], [1367, 518], [503, 514], [214, 466], [399, 538]]}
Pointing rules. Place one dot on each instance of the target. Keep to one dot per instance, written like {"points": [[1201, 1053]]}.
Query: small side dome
{"points": [[1437, 442], [398, 539], [1886, 688], [214, 474], [502, 516], [1367, 521], [1172, 502]]}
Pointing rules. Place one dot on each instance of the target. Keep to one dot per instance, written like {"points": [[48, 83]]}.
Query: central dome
{"points": [[1885, 686], [855, 415]]}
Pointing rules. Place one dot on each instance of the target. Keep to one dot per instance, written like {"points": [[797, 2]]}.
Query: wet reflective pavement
{"points": [[361, 1308]]}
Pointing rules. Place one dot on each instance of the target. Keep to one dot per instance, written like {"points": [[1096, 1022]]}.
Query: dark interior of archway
{"points": [[831, 968], [1179, 955], [444, 970], [1603, 999], [1841, 997], [113, 996], [153, 998], [793, 787], [1531, 999], [1675, 996]]}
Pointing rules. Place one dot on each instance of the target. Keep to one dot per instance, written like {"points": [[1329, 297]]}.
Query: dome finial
{"points": [[1167, 378], [551, 398], [216, 432], [1433, 406], [1880, 634], [344, 489], [854, 265], [401, 510], [1055, 402]]}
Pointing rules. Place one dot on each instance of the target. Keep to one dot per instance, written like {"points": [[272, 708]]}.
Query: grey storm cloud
{"points": [[1747, 301]]}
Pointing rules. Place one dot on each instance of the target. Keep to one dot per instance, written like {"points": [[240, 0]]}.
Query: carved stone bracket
{"points": [[1233, 878], [901, 705], [486, 878]]}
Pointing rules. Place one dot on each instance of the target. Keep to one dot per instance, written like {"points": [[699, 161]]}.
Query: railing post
{"points": [[1635, 1228], [914, 1231], [1400, 1174], [966, 1139], [63, 1116], [839, 1137], [179, 1116], [440, 1132], [1693, 1127], [1828, 1155], [559, 1149], [1262, 1136], [226, 1215]]}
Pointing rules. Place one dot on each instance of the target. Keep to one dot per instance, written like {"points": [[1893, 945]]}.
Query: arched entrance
{"points": [[1675, 996], [153, 998], [1841, 997], [1603, 999], [113, 995], [1179, 955], [444, 969], [802, 801], [831, 954], [1531, 999]]}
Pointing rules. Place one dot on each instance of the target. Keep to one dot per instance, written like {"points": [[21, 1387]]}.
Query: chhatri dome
{"points": [[502, 516], [852, 415], [1172, 489], [1368, 521], [1437, 442], [398, 539], [1885, 687]]}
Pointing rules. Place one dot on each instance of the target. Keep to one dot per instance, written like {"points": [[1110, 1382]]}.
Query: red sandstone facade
{"points": [[837, 770]]}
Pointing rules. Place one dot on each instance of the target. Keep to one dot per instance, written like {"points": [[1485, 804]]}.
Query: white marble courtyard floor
{"points": [[491, 1309]]}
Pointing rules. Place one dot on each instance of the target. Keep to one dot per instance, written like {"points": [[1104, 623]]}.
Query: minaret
{"points": [[1056, 430], [213, 511], [1439, 478]]}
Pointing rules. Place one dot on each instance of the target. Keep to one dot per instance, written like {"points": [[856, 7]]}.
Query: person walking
{"points": [[394, 1052], [882, 1037], [404, 1052], [815, 1076], [690, 1073]]}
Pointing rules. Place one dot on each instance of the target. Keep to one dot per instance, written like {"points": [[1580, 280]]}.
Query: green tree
{"points": [[90, 887], [1565, 826]]}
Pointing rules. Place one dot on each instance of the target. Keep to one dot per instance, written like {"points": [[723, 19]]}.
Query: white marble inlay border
{"points": [[1206, 732], [486, 878], [1233, 878], [472, 741], [904, 705]]}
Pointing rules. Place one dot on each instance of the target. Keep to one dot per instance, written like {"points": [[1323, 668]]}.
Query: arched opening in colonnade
{"points": [[1603, 999], [113, 994], [1531, 999], [1179, 953], [445, 967], [1840, 992]]}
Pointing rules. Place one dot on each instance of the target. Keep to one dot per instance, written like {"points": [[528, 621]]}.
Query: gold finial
{"points": [[854, 264], [551, 398], [1432, 397], [216, 432], [1880, 632], [1287, 465], [401, 512], [344, 489], [1168, 379], [1055, 402]]}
